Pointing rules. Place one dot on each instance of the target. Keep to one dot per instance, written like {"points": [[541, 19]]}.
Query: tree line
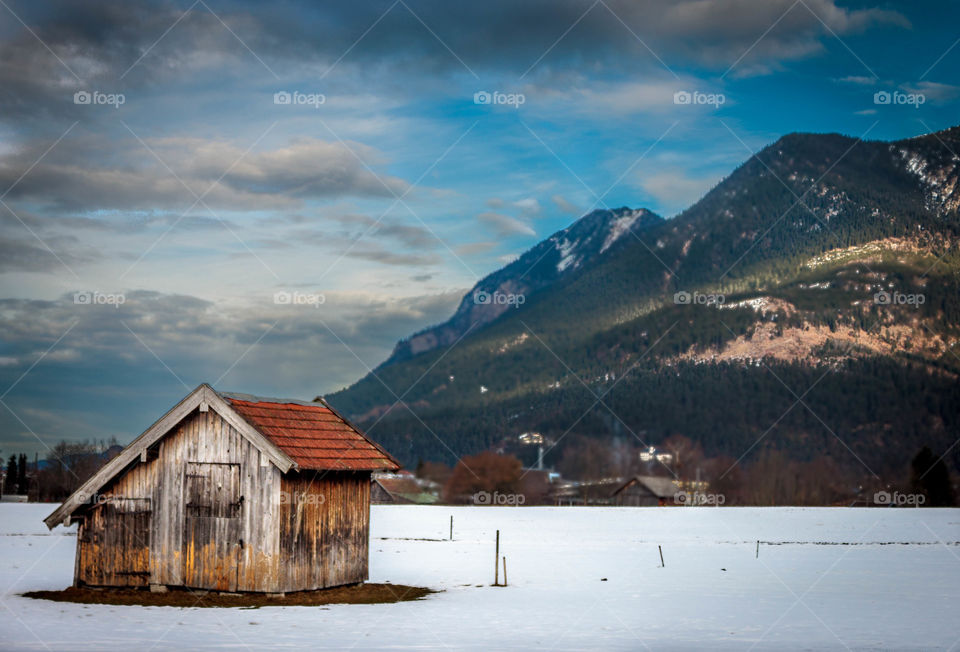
{"points": [[771, 479], [15, 476], [60, 472]]}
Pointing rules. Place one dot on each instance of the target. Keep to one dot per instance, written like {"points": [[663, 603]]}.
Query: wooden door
{"points": [[211, 539], [130, 536]]}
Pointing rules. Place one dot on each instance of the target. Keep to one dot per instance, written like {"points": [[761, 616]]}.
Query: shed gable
{"points": [[203, 398]]}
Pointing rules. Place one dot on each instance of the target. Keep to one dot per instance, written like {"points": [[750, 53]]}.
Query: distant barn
{"points": [[230, 492], [646, 491]]}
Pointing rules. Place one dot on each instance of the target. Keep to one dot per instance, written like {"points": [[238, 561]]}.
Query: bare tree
{"points": [[69, 465], [485, 471]]}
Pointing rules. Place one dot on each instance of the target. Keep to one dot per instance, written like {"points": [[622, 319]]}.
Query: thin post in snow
{"points": [[504, 570], [451, 527], [496, 562], [758, 549], [662, 565]]}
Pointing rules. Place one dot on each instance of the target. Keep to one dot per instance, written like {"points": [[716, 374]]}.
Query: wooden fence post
{"points": [[496, 562]]}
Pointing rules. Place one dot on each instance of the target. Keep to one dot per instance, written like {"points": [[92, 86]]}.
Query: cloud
{"points": [[16, 255], [474, 248], [114, 47], [504, 225], [674, 188], [379, 254], [358, 225], [933, 91], [94, 174], [140, 352], [199, 339], [859, 80], [305, 168], [564, 206], [20, 255], [388, 241], [727, 31], [528, 206], [588, 97]]}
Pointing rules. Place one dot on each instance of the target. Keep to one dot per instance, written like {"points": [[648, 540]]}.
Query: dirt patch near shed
{"points": [[356, 594]]}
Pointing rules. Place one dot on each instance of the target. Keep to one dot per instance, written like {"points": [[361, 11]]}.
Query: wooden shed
{"points": [[230, 492]]}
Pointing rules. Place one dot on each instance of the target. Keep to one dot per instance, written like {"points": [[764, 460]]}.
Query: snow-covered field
{"points": [[863, 579]]}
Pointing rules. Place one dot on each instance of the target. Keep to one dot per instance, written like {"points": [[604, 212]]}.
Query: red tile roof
{"points": [[315, 436]]}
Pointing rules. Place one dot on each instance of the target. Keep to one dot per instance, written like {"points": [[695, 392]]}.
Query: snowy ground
{"points": [[863, 579]]}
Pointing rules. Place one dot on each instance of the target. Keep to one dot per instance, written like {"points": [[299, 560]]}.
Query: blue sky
{"points": [[198, 199]]}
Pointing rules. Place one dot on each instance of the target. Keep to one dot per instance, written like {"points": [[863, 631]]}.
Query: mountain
{"points": [[809, 303], [560, 256]]}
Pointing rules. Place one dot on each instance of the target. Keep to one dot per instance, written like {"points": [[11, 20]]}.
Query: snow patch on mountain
{"points": [[917, 166], [940, 179], [578, 242], [568, 257], [619, 227]]}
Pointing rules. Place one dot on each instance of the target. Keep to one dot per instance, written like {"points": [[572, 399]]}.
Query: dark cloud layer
{"points": [[91, 173], [115, 45], [90, 354]]}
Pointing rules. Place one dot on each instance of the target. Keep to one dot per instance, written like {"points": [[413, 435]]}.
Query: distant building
{"points": [[584, 492], [646, 491], [399, 489], [530, 438], [651, 454]]}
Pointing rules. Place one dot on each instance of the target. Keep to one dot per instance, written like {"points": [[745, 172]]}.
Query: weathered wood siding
{"points": [[114, 544], [196, 526], [324, 529]]}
